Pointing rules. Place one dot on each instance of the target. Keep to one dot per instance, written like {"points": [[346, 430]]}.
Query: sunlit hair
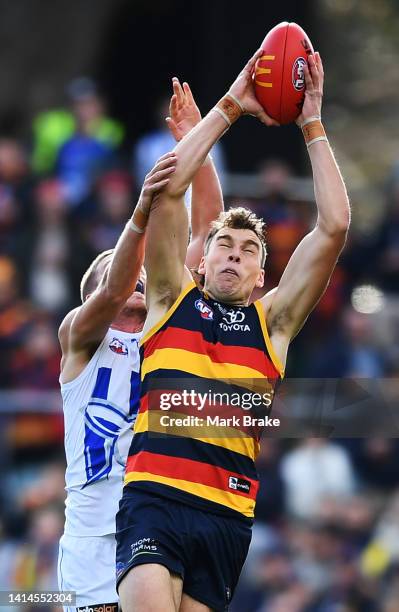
{"points": [[238, 218], [90, 278]]}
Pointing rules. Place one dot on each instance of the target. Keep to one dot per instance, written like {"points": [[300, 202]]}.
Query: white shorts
{"points": [[86, 565]]}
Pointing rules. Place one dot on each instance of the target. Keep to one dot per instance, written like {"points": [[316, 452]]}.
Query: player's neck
{"points": [[130, 321], [225, 299]]}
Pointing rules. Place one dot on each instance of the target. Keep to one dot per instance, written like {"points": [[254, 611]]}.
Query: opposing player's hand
{"points": [[183, 111], [156, 180], [243, 89], [314, 81]]}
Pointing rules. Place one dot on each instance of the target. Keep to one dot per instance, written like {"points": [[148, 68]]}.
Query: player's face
{"points": [[137, 299], [232, 266]]}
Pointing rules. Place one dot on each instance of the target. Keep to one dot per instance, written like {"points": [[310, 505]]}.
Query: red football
{"points": [[279, 77]]}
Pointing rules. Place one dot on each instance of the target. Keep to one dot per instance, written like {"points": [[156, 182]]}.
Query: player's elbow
{"points": [[342, 224], [343, 220], [112, 294], [336, 227]]}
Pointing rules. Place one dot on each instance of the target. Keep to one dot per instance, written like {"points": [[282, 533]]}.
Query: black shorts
{"points": [[205, 549]]}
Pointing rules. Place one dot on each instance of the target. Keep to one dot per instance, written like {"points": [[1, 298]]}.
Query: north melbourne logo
{"points": [[118, 347]]}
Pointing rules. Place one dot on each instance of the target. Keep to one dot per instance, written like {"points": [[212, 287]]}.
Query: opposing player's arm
{"points": [[206, 194], [89, 323], [312, 263]]}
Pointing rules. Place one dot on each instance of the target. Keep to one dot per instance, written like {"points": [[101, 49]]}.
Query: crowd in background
{"points": [[327, 529]]}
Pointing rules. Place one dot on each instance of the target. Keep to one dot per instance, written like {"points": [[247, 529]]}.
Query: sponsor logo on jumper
{"points": [[298, 76], [106, 607], [239, 484], [144, 546], [118, 347], [205, 310], [222, 309], [233, 320]]}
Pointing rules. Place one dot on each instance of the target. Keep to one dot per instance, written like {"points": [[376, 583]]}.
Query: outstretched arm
{"points": [[86, 326], [308, 272], [168, 224], [206, 194]]}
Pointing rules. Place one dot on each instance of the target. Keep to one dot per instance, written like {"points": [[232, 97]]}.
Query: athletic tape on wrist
{"points": [[229, 108], [237, 101], [222, 114], [313, 129], [310, 120], [132, 226], [318, 139], [139, 221]]}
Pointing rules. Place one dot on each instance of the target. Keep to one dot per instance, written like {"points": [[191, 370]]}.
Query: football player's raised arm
{"points": [[168, 228], [168, 224], [195, 146], [92, 319], [206, 192], [312, 263]]}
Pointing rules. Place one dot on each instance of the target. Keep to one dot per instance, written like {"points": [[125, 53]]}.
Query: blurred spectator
{"points": [[9, 220], [159, 141], [383, 548], [270, 500], [47, 489], [349, 350], [15, 316], [314, 470], [114, 207], [53, 252], [387, 264], [46, 249], [274, 207], [36, 562], [376, 461], [15, 180], [267, 570], [36, 365], [51, 129], [13, 162]]}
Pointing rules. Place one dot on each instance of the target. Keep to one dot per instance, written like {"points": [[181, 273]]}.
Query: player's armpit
{"points": [[303, 283]]}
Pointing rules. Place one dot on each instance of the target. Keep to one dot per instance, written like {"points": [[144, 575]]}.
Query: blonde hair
{"points": [[239, 218], [89, 280]]}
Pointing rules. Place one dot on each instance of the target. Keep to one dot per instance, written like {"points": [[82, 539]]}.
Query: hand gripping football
{"points": [[279, 77]]}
